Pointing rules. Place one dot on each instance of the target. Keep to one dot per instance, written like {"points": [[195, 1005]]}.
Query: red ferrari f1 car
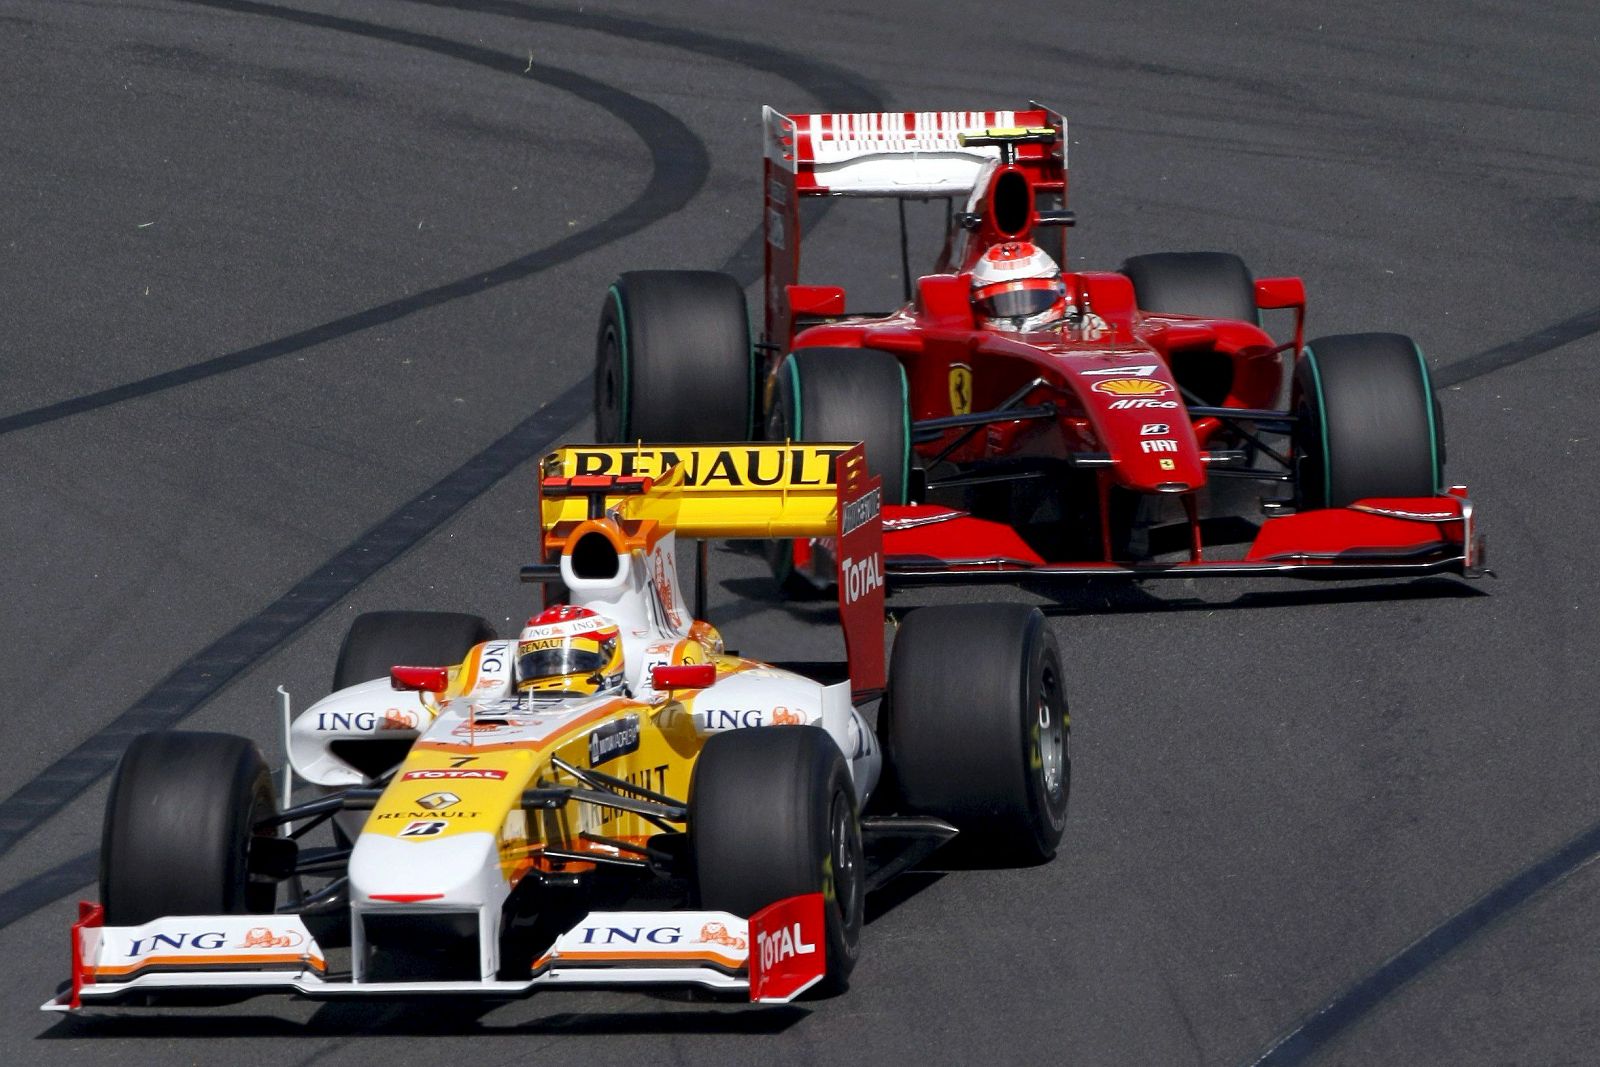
{"points": [[1037, 423]]}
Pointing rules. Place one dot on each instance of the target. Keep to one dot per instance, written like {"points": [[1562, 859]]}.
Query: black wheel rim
{"points": [[1051, 728], [847, 861]]}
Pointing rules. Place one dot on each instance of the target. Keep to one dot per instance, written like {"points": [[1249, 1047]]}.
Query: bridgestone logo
{"points": [[857, 513]]}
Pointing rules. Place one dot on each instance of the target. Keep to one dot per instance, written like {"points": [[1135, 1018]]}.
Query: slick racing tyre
{"points": [[178, 836], [841, 394], [1367, 423], [847, 394], [378, 640], [772, 814], [975, 727], [673, 359], [1212, 285]]}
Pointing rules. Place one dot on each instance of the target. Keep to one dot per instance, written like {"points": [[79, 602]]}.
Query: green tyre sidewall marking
{"points": [[1322, 429], [1433, 426], [796, 427], [752, 393], [625, 423]]}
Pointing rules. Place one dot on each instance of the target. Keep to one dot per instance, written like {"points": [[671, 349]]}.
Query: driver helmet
{"points": [[1017, 287], [568, 651]]}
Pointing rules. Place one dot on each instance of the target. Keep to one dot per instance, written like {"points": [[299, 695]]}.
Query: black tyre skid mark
{"points": [[680, 169]]}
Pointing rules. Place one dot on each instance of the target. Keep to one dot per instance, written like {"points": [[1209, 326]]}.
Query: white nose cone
{"points": [[459, 872]]}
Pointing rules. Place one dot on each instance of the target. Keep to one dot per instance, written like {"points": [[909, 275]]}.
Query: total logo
{"points": [[860, 578], [784, 943], [486, 773]]}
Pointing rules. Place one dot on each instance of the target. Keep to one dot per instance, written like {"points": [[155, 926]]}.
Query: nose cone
{"points": [[1141, 421], [459, 871]]}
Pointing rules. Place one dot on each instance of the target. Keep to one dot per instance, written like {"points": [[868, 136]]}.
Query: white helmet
{"points": [[1016, 286]]}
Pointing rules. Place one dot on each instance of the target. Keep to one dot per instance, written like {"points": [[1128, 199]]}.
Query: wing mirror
{"points": [[1273, 293], [419, 679], [683, 676]]}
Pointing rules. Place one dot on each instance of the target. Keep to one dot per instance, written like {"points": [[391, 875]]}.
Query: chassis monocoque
{"points": [[1158, 430], [716, 824]]}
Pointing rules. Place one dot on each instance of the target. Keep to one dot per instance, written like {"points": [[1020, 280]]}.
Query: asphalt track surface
{"points": [[290, 297]]}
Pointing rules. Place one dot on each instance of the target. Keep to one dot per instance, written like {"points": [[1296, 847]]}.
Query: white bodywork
{"points": [[462, 873]]}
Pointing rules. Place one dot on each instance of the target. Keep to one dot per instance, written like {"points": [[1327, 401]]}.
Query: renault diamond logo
{"points": [[435, 801]]}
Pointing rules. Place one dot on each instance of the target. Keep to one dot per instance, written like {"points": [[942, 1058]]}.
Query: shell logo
{"points": [[1132, 387]]}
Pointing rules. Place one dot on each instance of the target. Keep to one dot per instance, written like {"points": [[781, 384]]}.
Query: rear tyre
{"points": [[772, 814], [378, 640], [178, 833], [841, 394], [1212, 285], [673, 359], [1367, 424], [976, 726]]}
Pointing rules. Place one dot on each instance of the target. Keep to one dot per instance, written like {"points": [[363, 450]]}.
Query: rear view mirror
{"points": [[1273, 293], [683, 676], [419, 679]]}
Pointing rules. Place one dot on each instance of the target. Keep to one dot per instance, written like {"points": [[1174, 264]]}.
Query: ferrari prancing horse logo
{"points": [[960, 389]]}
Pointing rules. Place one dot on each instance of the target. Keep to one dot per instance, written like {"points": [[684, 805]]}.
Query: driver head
{"points": [[568, 651], [1017, 287]]}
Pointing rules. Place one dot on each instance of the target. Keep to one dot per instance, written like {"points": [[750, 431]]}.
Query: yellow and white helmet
{"points": [[569, 651]]}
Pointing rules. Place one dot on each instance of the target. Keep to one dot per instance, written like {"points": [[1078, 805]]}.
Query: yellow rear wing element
{"points": [[722, 491]]}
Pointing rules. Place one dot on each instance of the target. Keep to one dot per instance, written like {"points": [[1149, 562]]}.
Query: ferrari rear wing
{"points": [[774, 956], [899, 155]]}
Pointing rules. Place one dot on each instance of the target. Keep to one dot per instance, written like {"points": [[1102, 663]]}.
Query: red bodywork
{"points": [[1108, 399]]}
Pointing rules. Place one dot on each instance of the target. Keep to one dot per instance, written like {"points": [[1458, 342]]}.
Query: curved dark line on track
{"points": [[200, 677], [679, 165], [843, 89], [1349, 1007], [1584, 324]]}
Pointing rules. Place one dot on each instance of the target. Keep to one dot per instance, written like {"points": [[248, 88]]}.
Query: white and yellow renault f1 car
{"points": [[612, 798]]}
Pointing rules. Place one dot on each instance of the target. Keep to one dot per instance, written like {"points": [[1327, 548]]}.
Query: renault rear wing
{"points": [[729, 492]]}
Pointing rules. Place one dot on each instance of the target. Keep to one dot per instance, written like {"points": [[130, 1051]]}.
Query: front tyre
{"points": [[772, 814], [180, 829], [1367, 423], [976, 727], [1210, 285], [378, 640], [673, 359]]}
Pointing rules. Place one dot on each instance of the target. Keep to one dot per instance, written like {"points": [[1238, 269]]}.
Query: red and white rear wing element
{"points": [[897, 154], [776, 955]]}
